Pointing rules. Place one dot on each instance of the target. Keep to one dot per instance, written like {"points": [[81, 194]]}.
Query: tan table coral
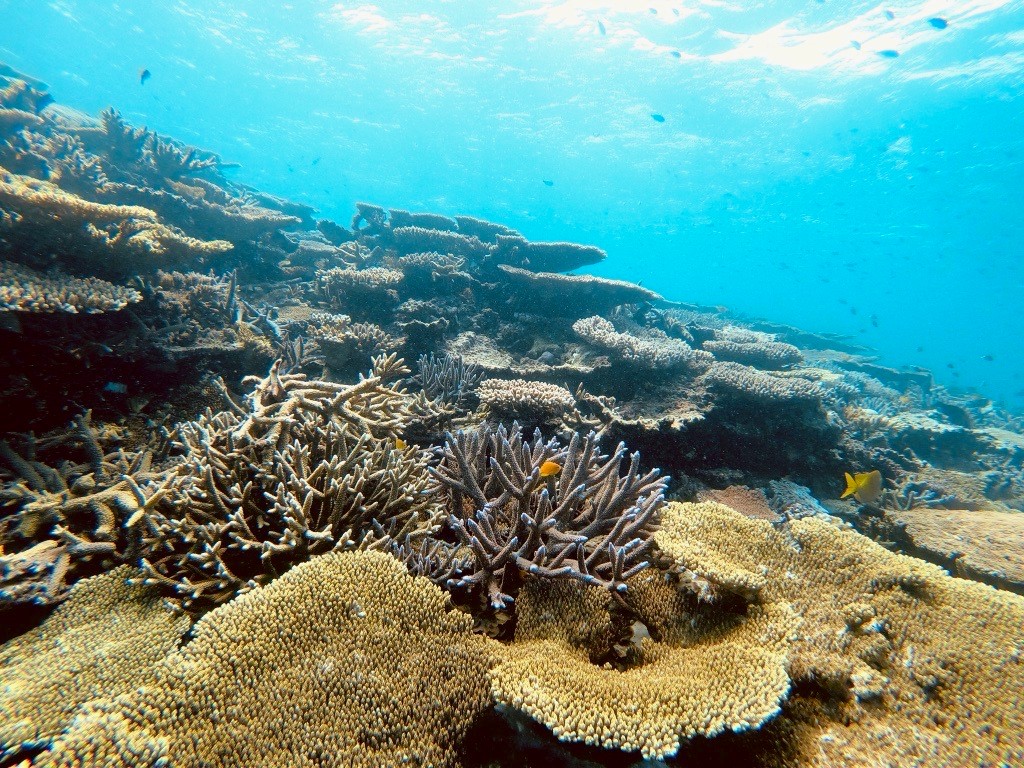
{"points": [[344, 661], [101, 642], [987, 545], [896, 663]]}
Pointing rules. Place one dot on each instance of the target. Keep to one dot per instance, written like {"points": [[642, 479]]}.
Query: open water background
{"points": [[800, 173]]}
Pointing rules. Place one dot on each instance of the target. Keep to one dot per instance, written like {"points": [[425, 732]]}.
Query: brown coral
{"points": [[101, 642], [896, 662], [344, 661]]}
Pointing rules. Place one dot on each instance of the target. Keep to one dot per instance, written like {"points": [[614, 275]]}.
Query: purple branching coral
{"points": [[589, 521]]}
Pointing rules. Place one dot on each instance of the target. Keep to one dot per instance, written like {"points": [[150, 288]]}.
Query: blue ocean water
{"points": [[801, 171]]}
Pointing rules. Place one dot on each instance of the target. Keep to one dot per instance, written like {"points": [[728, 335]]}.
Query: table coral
{"points": [[344, 661], [101, 642], [25, 290], [896, 662]]}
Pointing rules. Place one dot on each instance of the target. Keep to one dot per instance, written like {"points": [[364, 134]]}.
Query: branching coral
{"points": [[587, 522], [297, 474], [64, 523], [448, 379]]}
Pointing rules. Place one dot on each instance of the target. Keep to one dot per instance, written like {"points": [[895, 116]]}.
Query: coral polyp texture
{"points": [[345, 661], [589, 526]]}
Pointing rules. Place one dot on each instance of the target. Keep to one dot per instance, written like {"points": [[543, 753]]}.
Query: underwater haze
{"points": [[847, 167]]}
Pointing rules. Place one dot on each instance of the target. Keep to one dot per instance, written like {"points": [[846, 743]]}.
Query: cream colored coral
{"points": [[913, 667], [733, 680], [524, 396], [346, 660], [25, 290], [100, 642]]}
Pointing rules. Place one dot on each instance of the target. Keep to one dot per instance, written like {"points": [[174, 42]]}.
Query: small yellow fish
{"points": [[550, 468], [400, 444], [865, 487]]}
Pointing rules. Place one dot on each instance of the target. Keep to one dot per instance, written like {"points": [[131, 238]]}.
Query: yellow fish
{"points": [[400, 444], [865, 487], [550, 468]]}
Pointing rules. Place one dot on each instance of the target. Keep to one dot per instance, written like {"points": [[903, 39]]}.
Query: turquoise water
{"points": [[799, 174]]}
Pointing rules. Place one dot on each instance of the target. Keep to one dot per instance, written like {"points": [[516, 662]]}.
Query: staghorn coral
{"points": [[63, 524], [554, 295], [588, 523], [344, 661], [101, 642], [655, 350], [297, 475], [25, 290], [448, 379], [896, 663]]}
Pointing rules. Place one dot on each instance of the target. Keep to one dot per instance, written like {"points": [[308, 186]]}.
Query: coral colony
{"points": [[285, 492]]}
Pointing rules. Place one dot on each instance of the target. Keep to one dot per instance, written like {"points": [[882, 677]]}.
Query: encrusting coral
{"points": [[346, 660], [102, 641]]}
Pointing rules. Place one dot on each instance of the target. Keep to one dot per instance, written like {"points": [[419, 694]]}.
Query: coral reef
{"points": [[101, 642], [344, 661], [301, 514], [521, 517]]}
